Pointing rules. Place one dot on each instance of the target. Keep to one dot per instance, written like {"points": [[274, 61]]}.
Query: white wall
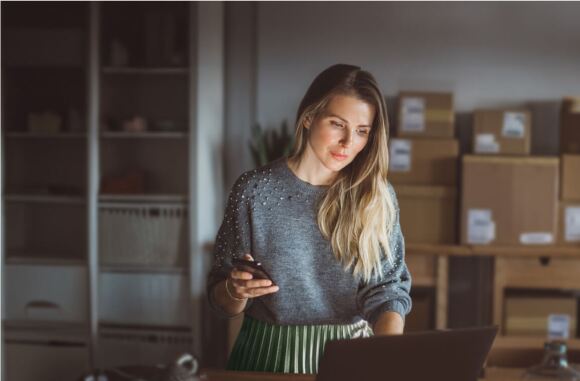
{"points": [[488, 54], [207, 107]]}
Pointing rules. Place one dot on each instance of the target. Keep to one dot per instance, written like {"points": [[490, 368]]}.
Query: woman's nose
{"points": [[346, 140]]}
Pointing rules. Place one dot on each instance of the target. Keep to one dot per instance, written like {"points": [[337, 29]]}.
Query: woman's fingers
{"points": [[259, 291], [255, 292], [255, 283], [252, 288], [236, 274], [247, 287]]}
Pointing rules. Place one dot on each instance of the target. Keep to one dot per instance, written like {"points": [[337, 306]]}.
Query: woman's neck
{"points": [[311, 170]]}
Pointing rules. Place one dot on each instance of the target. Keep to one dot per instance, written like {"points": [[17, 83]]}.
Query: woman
{"points": [[324, 224]]}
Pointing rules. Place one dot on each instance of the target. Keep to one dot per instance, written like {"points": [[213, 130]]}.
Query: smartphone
{"points": [[252, 267]]}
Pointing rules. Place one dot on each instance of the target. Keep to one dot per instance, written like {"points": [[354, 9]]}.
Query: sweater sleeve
{"points": [[233, 241], [391, 291]]}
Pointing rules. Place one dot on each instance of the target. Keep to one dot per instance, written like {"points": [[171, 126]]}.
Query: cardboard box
{"points": [[509, 200], [570, 189], [428, 213], [505, 132], [528, 316], [423, 161], [569, 223], [570, 125], [425, 114]]}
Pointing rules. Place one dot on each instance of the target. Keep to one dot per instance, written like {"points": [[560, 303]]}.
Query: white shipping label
{"points": [[572, 224], [485, 143], [400, 155], [558, 326], [413, 114], [514, 125], [536, 238], [480, 226]]}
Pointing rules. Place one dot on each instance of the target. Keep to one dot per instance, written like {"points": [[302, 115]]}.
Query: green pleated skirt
{"points": [[262, 347]]}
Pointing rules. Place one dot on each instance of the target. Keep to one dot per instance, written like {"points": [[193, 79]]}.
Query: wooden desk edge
{"points": [[491, 374], [471, 250]]}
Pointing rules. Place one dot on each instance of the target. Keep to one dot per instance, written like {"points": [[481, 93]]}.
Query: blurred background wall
{"points": [[489, 54]]}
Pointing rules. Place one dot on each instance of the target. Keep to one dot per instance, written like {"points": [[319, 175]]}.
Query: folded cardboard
{"points": [[528, 316], [570, 185], [504, 132], [428, 213], [569, 223], [570, 125], [425, 114], [423, 161], [509, 200]]}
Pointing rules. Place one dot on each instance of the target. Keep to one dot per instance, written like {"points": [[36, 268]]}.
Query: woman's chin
{"points": [[335, 166]]}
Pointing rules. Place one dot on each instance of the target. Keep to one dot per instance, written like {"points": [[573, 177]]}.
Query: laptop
{"points": [[449, 355]]}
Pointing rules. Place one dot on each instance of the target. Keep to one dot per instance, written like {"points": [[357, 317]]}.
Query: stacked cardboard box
{"points": [[424, 161], [509, 200], [569, 218], [425, 114], [423, 167], [428, 214], [503, 132], [570, 125]]}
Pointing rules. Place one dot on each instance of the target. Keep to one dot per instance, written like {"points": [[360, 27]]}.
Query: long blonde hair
{"points": [[357, 213]]}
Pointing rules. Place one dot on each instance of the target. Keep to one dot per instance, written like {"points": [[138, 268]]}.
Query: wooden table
{"points": [[531, 267], [491, 374]]}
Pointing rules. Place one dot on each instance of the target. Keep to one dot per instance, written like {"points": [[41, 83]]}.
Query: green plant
{"points": [[271, 144]]}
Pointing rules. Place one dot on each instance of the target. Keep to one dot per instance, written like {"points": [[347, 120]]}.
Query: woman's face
{"points": [[341, 131]]}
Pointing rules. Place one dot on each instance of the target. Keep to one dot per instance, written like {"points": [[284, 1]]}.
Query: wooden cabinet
{"points": [[556, 273]]}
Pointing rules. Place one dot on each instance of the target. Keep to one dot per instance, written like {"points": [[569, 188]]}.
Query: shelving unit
{"points": [[59, 179], [44, 187], [144, 175]]}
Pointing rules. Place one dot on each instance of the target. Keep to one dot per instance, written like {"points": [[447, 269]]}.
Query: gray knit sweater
{"points": [[271, 214]]}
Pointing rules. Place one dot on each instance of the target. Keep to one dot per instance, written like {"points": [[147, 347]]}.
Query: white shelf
{"points": [[45, 199], [45, 331], [144, 135], [17, 258], [46, 135], [112, 198], [142, 269], [146, 70]]}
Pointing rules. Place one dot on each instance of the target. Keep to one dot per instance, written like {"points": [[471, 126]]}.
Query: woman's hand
{"points": [[241, 284]]}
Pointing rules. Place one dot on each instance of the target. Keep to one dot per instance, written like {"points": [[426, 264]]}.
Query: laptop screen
{"points": [[450, 355]]}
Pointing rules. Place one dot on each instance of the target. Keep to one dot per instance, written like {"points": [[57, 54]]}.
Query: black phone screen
{"points": [[252, 267]]}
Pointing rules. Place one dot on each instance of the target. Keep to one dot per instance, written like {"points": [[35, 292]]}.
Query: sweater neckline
{"points": [[303, 185]]}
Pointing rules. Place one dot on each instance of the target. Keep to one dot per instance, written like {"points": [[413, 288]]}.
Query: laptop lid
{"points": [[450, 355]]}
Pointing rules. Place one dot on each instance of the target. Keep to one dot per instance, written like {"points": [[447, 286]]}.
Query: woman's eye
{"points": [[363, 132], [339, 125]]}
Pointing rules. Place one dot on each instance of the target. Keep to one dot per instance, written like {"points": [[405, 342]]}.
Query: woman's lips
{"points": [[338, 156]]}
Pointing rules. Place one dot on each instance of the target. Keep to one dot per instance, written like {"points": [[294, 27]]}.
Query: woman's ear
{"points": [[307, 122]]}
